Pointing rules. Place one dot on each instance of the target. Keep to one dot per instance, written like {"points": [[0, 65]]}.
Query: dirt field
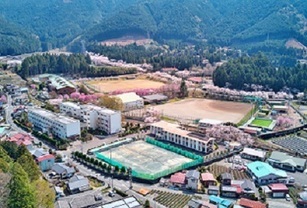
{"points": [[206, 109], [112, 85]]}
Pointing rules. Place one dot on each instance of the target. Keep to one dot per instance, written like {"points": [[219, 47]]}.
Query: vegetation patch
{"points": [[262, 122]]}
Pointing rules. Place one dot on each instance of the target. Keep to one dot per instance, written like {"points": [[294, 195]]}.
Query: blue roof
{"points": [[261, 169], [220, 201]]}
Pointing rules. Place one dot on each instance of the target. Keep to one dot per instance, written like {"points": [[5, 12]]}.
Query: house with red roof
{"points": [[169, 70], [279, 190], [208, 179], [247, 203], [195, 80], [178, 180], [45, 162], [22, 139]]}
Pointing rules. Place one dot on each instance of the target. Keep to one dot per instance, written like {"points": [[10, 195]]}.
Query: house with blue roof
{"points": [[263, 173], [220, 202]]}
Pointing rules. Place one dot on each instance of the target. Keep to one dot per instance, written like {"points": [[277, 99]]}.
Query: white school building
{"points": [[94, 117], [48, 122]]}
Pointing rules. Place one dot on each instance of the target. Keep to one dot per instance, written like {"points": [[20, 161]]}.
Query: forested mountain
{"points": [[15, 40], [251, 25]]}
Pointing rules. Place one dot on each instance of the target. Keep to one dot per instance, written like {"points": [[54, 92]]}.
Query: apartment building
{"points": [[48, 122], [94, 117], [175, 134], [131, 101]]}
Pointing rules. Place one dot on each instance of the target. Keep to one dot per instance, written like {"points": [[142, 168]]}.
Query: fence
{"points": [[197, 160]]}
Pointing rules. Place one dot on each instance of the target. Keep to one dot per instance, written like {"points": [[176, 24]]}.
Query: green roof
{"points": [[261, 169]]}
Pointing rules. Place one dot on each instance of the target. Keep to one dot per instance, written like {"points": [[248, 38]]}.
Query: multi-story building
{"points": [[60, 126], [131, 101], [94, 117], [175, 134]]}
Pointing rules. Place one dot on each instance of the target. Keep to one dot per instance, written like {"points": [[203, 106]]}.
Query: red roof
{"points": [[278, 187], [21, 139], [178, 178], [207, 177], [251, 204], [45, 157]]}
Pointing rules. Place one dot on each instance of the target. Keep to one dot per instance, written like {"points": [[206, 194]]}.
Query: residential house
{"points": [[177, 180], [247, 203], [45, 162], [279, 190], [247, 188], [284, 161], [263, 173], [208, 179], [302, 199], [195, 80], [213, 190], [220, 202], [78, 184], [192, 178], [169, 70], [230, 191], [226, 178], [253, 154], [38, 152], [194, 203], [22, 139], [63, 170]]}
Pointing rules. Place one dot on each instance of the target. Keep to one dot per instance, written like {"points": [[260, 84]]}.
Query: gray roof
{"points": [[226, 176], [192, 174], [248, 185], [38, 152], [229, 188], [78, 183], [129, 202], [61, 168], [216, 188], [155, 97], [303, 195], [285, 158], [82, 200], [194, 203]]}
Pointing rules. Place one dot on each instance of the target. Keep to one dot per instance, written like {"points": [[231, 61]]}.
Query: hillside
{"points": [[250, 25], [15, 40]]}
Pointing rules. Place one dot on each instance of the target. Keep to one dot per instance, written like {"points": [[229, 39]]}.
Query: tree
{"points": [[27, 163], [4, 155], [147, 204], [183, 89], [44, 195], [21, 193], [4, 190], [113, 103], [22, 149], [11, 148], [123, 169], [4, 166]]}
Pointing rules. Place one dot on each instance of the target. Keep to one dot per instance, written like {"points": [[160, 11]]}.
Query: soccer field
{"points": [[262, 122]]}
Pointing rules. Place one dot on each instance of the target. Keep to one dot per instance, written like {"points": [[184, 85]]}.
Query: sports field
{"points": [[124, 84], [262, 122], [145, 158], [205, 109]]}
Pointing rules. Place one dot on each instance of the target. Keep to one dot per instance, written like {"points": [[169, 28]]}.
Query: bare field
{"points": [[122, 84], [206, 109]]}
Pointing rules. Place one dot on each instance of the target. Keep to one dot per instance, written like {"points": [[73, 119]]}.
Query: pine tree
{"points": [[183, 89], [21, 194]]}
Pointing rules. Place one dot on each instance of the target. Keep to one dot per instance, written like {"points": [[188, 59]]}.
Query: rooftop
{"points": [[78, 182], [129, 97], [192, 174], [89, 107], [220, 201], [207, 177], [57, 81], [278, 187], [254, 152], [60, 168], [129, 202], [210, 121], [21, 139], [251, 204], [285, 158], [261, 169], [155, 97], [45, 157], [303, 195], [175, 129], [56, 117], [71, 104], [178, 178]]}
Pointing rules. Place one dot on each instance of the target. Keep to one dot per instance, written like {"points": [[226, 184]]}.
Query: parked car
{"points": [[288, 198]]}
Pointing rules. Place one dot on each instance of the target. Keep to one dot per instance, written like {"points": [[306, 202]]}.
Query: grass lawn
{"points": [[261, 122]]}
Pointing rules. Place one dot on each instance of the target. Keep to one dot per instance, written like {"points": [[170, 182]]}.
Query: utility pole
{"points": [[130, 177]]}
